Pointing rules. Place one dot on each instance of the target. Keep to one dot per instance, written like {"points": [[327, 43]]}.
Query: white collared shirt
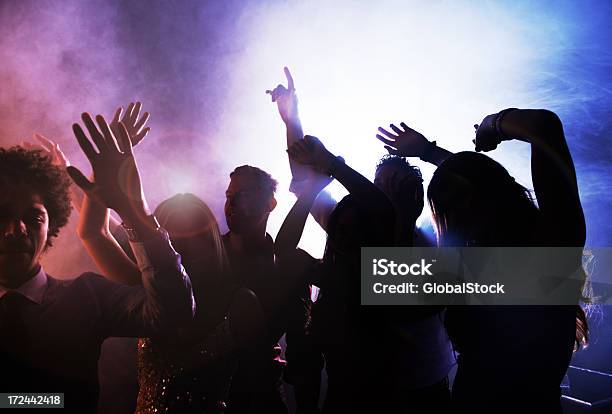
{"points": [[33, 289]]}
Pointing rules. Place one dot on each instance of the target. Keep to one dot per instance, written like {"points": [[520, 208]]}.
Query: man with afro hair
{"points": [[51, 330]]}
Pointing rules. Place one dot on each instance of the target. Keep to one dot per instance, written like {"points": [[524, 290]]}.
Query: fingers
{"points": [[396, 129], [95, 135], [59, 154], [406, 127], [299, 150], [117, 116], [84, 142], [33, 147], [108, 135], [313, 143], [290, 84], [279, 91], [300, 146], [384, 140], [138, 126], [124, 139], [476, 147], [79, 179], [135, 114], [140, 136], [392, 150], [45, 142], [128, 112], [387, 133]]}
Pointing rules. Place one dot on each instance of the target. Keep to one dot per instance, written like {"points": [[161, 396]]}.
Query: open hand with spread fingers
{"points": [[117, 183], [404, 142], [50, 148], [133, 122]]}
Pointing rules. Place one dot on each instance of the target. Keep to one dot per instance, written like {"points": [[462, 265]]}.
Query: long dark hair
{"points": [[476, 202]]}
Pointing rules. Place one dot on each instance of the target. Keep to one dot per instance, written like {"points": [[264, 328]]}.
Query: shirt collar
{"points": [[33, 289]]}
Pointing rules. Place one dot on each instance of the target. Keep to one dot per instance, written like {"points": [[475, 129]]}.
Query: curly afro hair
{"points": [[401, 163], [33, 169]]}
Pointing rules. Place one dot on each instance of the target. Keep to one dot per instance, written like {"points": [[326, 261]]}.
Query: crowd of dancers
{"points": [[209, 309]]}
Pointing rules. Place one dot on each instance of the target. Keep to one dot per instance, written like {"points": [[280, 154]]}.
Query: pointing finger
{"points": [[290, 84]]}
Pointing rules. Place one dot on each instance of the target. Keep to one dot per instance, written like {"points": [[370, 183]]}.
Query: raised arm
{"points": [[96, 223], [310, 151], [287, 104], [95, 234], [407, 142], [552, 167], [291, 230], [165, 299]]}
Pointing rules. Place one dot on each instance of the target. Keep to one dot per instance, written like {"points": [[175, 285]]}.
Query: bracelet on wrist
{"points": [[498, 120], [134, 235]]}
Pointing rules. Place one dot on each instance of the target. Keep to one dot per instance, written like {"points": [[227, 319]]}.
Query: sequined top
{"points": [[179, 378]]}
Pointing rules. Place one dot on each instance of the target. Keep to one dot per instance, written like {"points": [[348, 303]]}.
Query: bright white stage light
{"points": [[438, 66]]}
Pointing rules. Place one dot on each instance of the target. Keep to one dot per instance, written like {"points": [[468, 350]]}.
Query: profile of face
{"points": [[247, 207], [404, 189], [24, 226]]}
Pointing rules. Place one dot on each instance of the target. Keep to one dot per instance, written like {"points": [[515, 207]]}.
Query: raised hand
{"points": [[50, 148], [405, 142], [117, 183], [286, 99], [135, 127], [311, 151], [487, 135]]}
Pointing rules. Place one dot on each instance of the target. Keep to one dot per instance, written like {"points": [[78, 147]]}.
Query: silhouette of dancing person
{"points": [[190, 370], [509, 356]]}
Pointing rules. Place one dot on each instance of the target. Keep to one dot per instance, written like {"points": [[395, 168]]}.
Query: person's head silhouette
{"points": [[402, 183], [34, 206], [476, 202], [249, 200]]}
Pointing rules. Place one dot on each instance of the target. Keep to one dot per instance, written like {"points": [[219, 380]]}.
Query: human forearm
{"points": [[294, 134], [364, 191], [161, 304], [292, 228], [552, 167], [169, 297], [322, 208], [435, 155]]}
